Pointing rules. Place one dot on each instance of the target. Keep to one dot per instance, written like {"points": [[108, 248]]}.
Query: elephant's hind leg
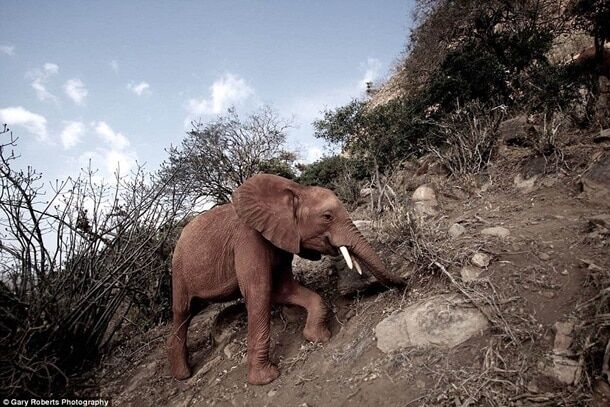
{"points": [[176, 344], [288, 291]]}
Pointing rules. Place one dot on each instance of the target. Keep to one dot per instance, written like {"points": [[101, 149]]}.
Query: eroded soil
{"points": [[539, 275]]}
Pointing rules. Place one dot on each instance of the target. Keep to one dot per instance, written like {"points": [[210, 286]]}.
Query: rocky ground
{"points": [[507, 273]]}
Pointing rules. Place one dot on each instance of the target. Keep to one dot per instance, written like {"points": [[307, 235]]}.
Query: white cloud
{"points": [[40, 78], [114, 65], [122, 161], [140, 88], [227, 90], [117, 141], [71, 134], [7, 49], [32, 122], [372, 71], [76, 90], [114, 156]]}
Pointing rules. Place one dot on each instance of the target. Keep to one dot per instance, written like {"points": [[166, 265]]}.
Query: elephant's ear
{"points": [[267, 203]]}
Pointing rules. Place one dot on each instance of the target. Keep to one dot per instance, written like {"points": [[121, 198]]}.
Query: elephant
{"points": [[245, 248]]}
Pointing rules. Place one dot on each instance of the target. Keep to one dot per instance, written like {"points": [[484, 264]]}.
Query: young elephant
{"points": [[247, 247]]}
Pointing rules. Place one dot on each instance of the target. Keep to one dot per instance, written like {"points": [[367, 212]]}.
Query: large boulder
{"points": [[441, 321]]}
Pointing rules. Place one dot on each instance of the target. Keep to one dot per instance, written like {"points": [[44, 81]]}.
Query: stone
{"points": [[497, 231], [424, 201], [424, 193], [272, 393], [566, 370], [231, 350], [525, 185], [544, 256], [470, 273], [481, 260], [366, 192], [596, 182], [515, 131], [440, 321], [456, 230], [563, 338]]}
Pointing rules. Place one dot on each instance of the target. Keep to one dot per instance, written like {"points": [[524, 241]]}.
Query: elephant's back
{"points": [[208, 229]]}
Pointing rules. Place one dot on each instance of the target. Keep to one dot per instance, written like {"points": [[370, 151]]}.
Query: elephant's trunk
{"points": [[367, 256]]}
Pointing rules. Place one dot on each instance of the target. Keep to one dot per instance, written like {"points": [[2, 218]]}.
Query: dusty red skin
{"points": [[246, 248]]}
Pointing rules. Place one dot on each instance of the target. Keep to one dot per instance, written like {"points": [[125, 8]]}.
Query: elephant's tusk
{"points": [[346, 256], [357, 265]]}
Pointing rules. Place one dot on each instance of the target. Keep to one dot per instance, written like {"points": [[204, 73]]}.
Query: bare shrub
{"points": [[218, 156], [548, 143], [75, 260], [469, 135]]}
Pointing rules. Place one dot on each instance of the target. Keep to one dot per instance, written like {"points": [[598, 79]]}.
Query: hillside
{"points": [[543, 296]]}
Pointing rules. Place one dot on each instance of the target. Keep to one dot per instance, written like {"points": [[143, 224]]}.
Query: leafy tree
{"points": [[327, 170], [217, 156]]}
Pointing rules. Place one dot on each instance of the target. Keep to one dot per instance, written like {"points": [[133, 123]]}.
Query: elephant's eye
{"points": [[327, 216]]}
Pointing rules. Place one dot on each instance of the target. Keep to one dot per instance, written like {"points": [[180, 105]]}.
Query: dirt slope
{"points": [[537, 276]]}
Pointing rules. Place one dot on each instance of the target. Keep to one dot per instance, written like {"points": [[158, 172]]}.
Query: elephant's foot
{"points": [[181, 372], [262, 375], [178, 361], [318, 333]]}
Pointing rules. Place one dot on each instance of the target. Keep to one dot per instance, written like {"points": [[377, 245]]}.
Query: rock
{"points": [[456, 230], [437, 321], [231, 350], [424, 193], [566, 370], [481, 260], [515, 131], [535, 166], [497, 231], [470, 273], [544, 256], [424, 201], [366, 192], [525, 185], [272, 393], [563, 338], [596, 182]]}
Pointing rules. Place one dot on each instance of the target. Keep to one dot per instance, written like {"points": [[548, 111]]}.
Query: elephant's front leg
{"points": [[256, 289], [288, 291]]}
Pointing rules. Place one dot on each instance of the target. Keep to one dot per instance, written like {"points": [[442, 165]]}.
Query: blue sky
{"points": [[119, 81]]}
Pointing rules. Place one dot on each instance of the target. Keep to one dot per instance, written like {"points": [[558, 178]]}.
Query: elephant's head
{"points": [[308, 221]]}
